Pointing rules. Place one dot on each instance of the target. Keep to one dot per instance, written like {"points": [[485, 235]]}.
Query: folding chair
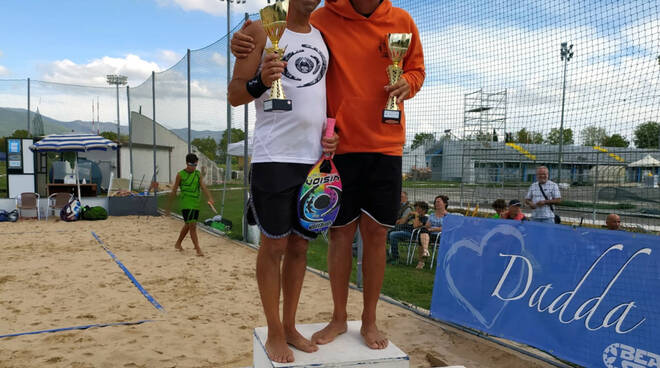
{"points": [[57, 201], [436, 244], [413, 243], [28, 201]]}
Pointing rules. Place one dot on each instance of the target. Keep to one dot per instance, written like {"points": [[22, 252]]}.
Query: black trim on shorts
{"points": [[273, 204], [371, 184], [189, 215]]}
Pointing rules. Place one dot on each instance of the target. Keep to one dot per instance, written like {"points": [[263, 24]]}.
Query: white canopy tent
{"points": [[647, 161]]}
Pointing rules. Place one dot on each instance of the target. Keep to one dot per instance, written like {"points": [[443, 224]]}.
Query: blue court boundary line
{"points": [[84, 327], [130, 276]]}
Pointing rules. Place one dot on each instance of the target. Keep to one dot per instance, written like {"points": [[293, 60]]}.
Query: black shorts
{"points": [[189, 215], [273, 204], [371, 184]]}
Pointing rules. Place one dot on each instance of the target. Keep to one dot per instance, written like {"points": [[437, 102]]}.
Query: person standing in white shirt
{"points": [[543, 205]]}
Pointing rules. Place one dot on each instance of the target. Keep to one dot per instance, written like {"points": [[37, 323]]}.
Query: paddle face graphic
{"points": [[320, 194]]}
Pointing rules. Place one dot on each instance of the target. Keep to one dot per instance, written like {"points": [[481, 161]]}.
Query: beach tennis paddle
{"points": [[320, 194]]}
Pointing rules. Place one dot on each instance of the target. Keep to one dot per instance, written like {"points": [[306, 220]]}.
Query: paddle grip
{"points": [[330, 127]]}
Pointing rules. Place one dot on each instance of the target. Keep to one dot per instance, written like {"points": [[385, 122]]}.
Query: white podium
{"points": [[348, 350]]}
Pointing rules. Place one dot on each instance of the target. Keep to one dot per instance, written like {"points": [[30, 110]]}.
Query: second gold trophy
{"points": [[273, 19]]}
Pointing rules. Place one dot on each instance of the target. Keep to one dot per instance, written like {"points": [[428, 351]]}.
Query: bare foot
{"points": [[178, 247], [300, 342], [329, 332], [199, 253], [373, 337], [278, 351]]}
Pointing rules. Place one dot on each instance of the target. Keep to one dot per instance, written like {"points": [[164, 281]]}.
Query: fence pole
{"points": [[189, 124], [153, 115], [28, 105], [595, 194], [130, 138]]}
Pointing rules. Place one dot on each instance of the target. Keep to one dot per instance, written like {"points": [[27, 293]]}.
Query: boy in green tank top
{"points": [[191, 184]]}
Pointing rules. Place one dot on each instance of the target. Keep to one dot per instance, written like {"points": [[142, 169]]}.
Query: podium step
{"points": [[348, 350]]}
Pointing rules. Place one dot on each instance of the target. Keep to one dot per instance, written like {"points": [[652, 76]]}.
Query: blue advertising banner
{"points": [[589, 296]]}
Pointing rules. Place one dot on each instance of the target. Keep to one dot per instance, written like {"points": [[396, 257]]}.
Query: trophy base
{"points": [[277, 105], [392, 116]]}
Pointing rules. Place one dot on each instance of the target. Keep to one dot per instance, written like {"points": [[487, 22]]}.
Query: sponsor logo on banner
{"points": [[620, 355]]}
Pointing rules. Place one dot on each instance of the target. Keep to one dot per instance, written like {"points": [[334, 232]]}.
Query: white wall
{"points": [[169, 164]]}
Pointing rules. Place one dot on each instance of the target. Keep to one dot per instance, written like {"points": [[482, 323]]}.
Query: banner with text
{"points": [[589, 296]]}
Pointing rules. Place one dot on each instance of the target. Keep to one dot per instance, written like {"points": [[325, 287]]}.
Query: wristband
{"points": [[256, 86]]}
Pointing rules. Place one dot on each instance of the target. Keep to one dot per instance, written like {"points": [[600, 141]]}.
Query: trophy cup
{"points": [[397, 44], [273, 19]]}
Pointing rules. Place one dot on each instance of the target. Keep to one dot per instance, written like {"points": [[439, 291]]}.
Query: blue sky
{"points": [[35, 33], [493, 45]]}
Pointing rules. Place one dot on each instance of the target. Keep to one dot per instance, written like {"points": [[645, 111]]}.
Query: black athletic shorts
{"points": [[274, 190], [371, 183], [189, 215]]}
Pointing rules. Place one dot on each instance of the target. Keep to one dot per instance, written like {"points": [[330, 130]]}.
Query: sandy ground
{"points": [[55, 275]]}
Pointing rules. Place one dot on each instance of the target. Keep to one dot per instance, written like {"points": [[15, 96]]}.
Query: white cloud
{"points": [[215, 7], [606, 85], [168, 57], [3, 70], [94, 72]]}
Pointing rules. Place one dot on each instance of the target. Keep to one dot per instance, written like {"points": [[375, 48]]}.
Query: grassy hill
{"points": [[12, 119]]}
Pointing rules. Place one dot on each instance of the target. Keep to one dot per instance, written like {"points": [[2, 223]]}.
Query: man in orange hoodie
{"points": [[369, 153]]}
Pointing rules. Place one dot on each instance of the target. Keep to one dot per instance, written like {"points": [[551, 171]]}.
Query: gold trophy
{"points": [[273, 19], [397, 44]]}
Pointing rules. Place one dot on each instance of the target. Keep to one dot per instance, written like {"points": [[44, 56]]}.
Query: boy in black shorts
{"points": [[189, 180], [286, 145]]}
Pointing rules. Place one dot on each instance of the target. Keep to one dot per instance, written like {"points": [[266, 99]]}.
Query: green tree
{"points": [[646, 135], [236, 135], [593, 136], [615, 140], [207, 146], [20, 133], [553, 136], [109, 135], [527, 137], [421, 139]]}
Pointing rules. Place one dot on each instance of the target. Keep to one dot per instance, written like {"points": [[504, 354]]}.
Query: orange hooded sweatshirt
{"points": [[357, 73]]}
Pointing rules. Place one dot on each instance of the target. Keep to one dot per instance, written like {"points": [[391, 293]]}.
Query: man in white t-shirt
{"points": [[543, 205]]}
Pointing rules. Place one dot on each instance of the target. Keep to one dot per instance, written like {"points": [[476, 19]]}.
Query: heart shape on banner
{"points": [[502, 229]]}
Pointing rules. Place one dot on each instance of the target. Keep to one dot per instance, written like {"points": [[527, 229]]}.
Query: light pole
{"points": [[566, 55], [228, 131], [117, 80]]}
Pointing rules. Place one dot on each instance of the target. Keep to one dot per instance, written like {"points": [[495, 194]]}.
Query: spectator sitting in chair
{"points": [[613, 222], [418, 218], [404, 211], [499, 206], [514, 212], [432, 227]]}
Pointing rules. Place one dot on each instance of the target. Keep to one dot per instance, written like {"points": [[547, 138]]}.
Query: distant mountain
{"points": [[12, 119], [183, 134]]}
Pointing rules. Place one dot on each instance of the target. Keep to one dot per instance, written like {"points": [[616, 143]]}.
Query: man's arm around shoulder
{"points": [[245, 69]]}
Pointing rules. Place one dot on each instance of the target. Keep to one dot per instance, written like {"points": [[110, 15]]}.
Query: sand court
{"points": [[56, 275]]}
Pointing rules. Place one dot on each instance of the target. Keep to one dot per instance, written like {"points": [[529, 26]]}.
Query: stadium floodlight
{"points": [[566, 55], [117, 80]]}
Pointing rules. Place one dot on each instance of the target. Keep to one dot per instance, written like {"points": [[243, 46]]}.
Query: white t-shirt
{"points": [[295, 136], [534, 194]]}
